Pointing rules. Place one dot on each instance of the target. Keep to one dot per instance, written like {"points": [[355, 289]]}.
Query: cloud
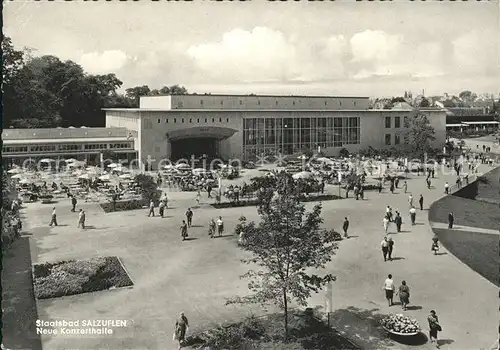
{"points": [[377, 54], [105, 62], [265, 54], [371, 45], [476, 52]]}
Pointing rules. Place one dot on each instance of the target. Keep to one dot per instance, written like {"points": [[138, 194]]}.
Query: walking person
{"points": [[398, 221], [446, 188], [451, 220], [385, 222], [151, 209], [211, 228], [53, 220], [220, 226], [405, 186], [189, 217], [181, 329], [81, 219], [73, 203], [345, 227], [385, 247], [421, 202], [389, 289], [198, 198], [434, 328], [435, 245], [428, 183], [161, 208], [404, 295], [390, 248], [184, 230], [413, 215], [410, 200]]}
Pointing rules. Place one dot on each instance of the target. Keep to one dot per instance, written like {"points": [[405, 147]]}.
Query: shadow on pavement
{"points": [[362, 326], [18, 304]]}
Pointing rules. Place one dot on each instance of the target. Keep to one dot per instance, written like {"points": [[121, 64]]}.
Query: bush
{"points": [[124, 205], [252, 328], [344, 153], [225, 338], [149, 188]]}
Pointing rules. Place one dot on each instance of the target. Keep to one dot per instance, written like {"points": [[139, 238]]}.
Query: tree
{"points": [[420, 135], [173, 90], [424, 103], [285, 246], [467, 96], [136, 92], [149, 188]]}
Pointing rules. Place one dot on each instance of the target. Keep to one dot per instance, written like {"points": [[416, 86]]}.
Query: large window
{"points": [[43, 148], [387, 122], [397, 139], [387, 139], [397, 122], [18, 149], [288, 135]]}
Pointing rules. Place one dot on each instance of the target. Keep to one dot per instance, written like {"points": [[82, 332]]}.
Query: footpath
{"points": [[465, 302]]}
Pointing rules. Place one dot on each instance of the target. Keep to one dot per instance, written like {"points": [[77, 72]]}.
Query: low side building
{"points": [[64, 143]]}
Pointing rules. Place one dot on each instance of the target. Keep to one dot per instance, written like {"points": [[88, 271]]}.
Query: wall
{"points": [[154, 140], [267, 102], [155, 102]]}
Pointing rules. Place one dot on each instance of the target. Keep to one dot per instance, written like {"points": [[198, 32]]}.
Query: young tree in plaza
{"points": [[420, 136], [286, 246]]}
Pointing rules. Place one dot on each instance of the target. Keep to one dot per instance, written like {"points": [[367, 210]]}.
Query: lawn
{"points": [[467, 212], [479, 251], [72, 277]]}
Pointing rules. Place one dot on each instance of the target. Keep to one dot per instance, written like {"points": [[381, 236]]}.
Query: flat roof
{"points": [[251, 110], [485, 122], [243, 95], [455, 124], [75, 140]]}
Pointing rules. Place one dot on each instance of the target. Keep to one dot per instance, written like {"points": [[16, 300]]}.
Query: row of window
{"points": [[397, 122], [397, 139], [65, 147], [191, 120], [180, 104]]}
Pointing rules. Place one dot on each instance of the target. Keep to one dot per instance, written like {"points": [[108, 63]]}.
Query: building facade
{"points": [[244, 127], [64, 143]]}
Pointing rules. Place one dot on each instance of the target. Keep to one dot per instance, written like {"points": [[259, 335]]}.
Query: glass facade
{"points": [[271, 136]]}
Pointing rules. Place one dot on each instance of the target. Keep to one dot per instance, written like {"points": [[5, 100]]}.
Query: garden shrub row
{"points": [[255, 201], [123, 205], [267, 333], [71, 277]]}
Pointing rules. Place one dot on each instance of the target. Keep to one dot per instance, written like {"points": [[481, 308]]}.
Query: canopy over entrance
{"points": [[214, 132]]}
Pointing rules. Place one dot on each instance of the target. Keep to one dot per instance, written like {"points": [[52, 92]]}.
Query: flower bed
{"points": [[123, 205], [400, 325], [52, 280]]}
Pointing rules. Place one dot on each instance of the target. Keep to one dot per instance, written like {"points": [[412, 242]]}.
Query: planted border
{"points": [[63, 278], [254, 202], [124, 205]]}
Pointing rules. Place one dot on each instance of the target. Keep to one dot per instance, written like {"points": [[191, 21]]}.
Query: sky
{"points": [[343, 48]]}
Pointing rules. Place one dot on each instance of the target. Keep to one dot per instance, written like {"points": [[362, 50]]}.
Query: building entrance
{"points": [[197, 147]]}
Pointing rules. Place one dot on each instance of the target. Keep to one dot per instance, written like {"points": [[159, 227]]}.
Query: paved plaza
{"points": [[196, 276]]}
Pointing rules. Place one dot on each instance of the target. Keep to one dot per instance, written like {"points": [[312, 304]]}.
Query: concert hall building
{"points": [[246, 126]]}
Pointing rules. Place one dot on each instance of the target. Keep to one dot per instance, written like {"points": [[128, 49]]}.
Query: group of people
{"points": [[81, 215], [404, 297], [214, 226]]}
